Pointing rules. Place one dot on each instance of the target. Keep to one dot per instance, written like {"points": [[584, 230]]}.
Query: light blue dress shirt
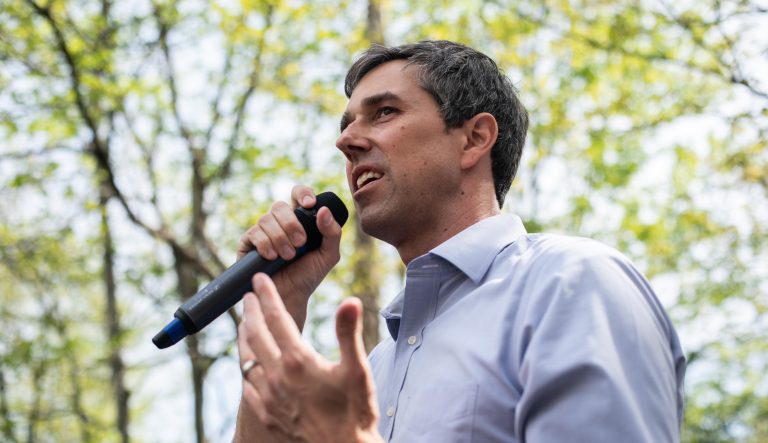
{"points": [[504, 336]]}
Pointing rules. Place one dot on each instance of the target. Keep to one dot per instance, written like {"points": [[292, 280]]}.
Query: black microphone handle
{"points": [[227, 289]]}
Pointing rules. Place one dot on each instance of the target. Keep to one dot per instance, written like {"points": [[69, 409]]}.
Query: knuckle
{"points": [[300, 189], [262, 221], [272, 317], [261, 243], [279, 206], [268, 399], [357, 376], [266, 419], [281, 241], [293, 363], [274, 384], [251, 340], [272, 424], [245, 242], [293, 222]]}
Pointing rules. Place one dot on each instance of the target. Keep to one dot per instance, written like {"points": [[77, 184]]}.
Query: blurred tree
{"points": [[366, 273], [653, 118], [158, 124], [648, 131], [162, 104]]}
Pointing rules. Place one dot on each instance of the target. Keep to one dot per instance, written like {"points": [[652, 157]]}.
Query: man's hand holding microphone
{"points": [[290, 392]]}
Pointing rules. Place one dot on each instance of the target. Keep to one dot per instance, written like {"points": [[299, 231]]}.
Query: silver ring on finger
{"points": [[248, 365]]}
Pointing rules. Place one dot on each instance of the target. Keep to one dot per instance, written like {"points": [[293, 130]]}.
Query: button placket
{"points": [[419, 304]]}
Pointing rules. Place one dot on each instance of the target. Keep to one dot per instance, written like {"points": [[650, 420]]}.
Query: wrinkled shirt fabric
{"points": [[504, 336]]}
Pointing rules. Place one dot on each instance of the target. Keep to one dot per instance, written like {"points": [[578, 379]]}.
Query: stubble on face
{"points": [[394, 126]]}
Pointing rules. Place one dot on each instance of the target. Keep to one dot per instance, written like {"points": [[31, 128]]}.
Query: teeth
{"points": [[365, 176]]}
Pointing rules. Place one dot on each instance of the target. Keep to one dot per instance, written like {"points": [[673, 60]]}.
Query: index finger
{"points": [[243, 348], [303, 196], [257, 336], [280, 323]]}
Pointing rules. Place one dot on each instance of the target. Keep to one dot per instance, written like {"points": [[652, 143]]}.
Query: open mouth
{"points": [[367, 177]]}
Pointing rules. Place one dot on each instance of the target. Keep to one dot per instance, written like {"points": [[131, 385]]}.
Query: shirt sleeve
{"points": [[600, 361]]}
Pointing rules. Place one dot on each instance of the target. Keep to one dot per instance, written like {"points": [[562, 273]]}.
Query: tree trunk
{"points": [[374, 31], [366, 284], [5, 416], [116, 365], [33, 417], [366, 280], [187, 284]]}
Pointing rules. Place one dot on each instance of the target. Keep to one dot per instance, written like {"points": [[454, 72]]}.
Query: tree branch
{"points": [[7, 423], [39, 152], [726, 71], [732, 71], [254, 79], [75, 75], [216, 102], [163, 29], [100, 152], [149, 159], [197, 154]]}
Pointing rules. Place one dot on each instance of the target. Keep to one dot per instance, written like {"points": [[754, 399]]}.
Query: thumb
{"points": [[331, 231], [349, 330], [354, 363]]}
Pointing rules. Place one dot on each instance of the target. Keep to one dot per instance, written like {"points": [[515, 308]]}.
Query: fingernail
{"points": [[297, 239], [287, 252], [327, 220], [306, 201]]}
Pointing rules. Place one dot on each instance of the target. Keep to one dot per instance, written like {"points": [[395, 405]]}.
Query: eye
{"points": [[384, 111]]}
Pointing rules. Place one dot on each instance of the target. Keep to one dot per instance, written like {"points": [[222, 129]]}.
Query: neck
{"points": [[449, 223]]}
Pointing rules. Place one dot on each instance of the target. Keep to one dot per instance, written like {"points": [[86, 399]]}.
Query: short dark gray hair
{"points": [[464, 83]]}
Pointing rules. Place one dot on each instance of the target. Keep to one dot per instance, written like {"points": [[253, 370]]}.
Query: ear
{"points": [[481, 132]]}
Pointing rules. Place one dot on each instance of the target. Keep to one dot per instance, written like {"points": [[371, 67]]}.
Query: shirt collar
{"points": [[473, 250]]}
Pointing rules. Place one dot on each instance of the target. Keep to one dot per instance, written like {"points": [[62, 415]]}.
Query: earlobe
{"points": [[481, 132]]}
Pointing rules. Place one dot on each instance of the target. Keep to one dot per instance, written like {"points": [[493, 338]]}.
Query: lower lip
{"points": [[366, 188]]}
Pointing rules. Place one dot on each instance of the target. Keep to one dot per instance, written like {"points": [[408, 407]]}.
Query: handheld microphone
{"points": [[228, 288]]}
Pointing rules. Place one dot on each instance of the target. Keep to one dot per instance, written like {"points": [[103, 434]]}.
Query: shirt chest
{"points": [[451, 375]]}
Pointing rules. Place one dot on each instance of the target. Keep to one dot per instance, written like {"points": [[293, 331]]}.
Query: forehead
{"points": [[396, 77]]}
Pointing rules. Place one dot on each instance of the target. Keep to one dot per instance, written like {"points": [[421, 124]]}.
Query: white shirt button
{"points": [[390, 411], [412, 340]]}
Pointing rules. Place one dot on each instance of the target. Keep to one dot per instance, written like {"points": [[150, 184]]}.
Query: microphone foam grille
{"points": [[334, 203]]}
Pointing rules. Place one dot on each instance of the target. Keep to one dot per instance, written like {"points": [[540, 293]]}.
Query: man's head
{"points": [[464, 83]]}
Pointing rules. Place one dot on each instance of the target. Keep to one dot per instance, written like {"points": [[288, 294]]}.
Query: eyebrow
{"points": [[367, 102]]}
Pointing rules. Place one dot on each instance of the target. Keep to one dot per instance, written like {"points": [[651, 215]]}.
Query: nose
{"points": [[352, 141]]}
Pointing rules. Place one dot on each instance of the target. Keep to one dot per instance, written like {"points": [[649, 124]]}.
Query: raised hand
{"points": [[293, 390]]}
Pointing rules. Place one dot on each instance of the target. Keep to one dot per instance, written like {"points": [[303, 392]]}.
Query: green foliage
{"points": [[648, 131], [51, 364]]}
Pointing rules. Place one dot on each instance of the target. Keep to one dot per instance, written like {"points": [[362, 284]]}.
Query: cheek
{"points": [[348, 171]]}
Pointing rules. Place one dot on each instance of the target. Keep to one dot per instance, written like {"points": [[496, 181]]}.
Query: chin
{"points": [[377, 225]]}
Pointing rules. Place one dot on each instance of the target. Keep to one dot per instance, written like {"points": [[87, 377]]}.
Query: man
{"points": [[498, 335]]}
